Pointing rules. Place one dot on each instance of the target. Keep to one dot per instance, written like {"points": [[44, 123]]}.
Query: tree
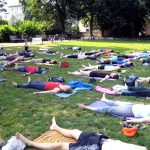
{"points": [[2, 5], [125, 18], [56, 12]]}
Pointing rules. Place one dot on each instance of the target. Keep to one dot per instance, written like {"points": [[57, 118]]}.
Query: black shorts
{"points": [[97, 74], [88, 141], [101, 67]]}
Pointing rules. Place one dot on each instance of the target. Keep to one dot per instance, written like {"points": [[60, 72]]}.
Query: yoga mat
{"points": [[43, 72], [104, 104], [46, 53], [2, 79], [54, 137], [64, 95]]}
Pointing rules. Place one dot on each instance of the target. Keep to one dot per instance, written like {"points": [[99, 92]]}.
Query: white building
{"points": [[13, 11]]}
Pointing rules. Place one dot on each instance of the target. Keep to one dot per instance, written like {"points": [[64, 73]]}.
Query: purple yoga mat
{"points": [[103, 104]]}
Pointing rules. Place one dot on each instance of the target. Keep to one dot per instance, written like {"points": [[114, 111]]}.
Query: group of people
{"points": [[107, 69]]}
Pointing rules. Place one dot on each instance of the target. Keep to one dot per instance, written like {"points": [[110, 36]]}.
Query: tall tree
{"points": [[124, 17], [2, 6], [56, 11]]}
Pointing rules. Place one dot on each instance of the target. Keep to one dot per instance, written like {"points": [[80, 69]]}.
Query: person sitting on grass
{"points": [[124, 109], [45, 87], [85, 141], [100, 74]]}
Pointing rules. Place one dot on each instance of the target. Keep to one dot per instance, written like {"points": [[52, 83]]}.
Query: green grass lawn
{"points": [[31, 115]]}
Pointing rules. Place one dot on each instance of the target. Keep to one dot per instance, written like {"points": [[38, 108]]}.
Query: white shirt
{"points": [[141, 110]]}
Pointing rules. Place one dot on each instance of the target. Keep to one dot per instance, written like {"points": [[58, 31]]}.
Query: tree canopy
{"points": [[123, 17]]}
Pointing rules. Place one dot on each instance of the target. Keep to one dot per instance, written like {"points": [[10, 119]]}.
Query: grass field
{"points": [[31, 115]]}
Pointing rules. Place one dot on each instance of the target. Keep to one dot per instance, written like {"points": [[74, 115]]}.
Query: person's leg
{"points": [[68, 133], [80, 73], [31, 84], [121, 110], [43, 146], [114, 103]]}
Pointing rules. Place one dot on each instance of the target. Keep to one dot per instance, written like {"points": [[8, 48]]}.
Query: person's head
{"points": [[54, 61], [114, 75], [39, 70], [67, 89]]}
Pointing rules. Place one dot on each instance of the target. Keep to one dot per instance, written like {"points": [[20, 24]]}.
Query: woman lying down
{"points": [[85, 141]]}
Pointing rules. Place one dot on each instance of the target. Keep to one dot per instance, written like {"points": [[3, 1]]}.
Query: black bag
{"points": [[56, 79], [130, 80]]}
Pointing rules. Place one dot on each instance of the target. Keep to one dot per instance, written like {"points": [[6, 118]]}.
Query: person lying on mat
{"points": [[28, 69], [143, 80], [83, 56], [122, 63], [85, 141], [123, 109], [100, 74], [145, 60], [127, 91], [102, 67], [49, 51], [45, 87], [43, 61]]}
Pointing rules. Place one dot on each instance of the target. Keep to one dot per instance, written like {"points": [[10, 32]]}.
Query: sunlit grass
{"points": [[31, 115]]}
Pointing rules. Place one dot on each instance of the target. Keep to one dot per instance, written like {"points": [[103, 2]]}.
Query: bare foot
{"points": [[53, 125], [23, 139], [14, 83], [81, 106], [29, 79], [103, 98]]}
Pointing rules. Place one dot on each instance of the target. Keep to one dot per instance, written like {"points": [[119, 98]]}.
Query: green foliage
{"points": [[126, 18], [30, 28], [2, 5], [5, 31], [2, 22]]}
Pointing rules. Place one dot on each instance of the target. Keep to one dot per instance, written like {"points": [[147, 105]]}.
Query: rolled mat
{"points": [[54, 137]]}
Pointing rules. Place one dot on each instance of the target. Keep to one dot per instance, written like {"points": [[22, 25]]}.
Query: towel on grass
{"points": [[76, 86]]}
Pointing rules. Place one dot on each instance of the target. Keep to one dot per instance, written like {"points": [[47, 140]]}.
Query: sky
{"points": [[12, 2]]}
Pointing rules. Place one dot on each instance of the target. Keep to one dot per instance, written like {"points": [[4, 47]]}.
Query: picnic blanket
{"points": [[104, 104], [54, 137], [76, 86]]}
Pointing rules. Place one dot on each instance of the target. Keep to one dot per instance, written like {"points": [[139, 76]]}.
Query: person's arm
{"points": [[26, 74], [55, 91], [140, 120], [106, 77]]}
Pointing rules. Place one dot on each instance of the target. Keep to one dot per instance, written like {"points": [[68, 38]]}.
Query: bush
{"points": [[5, 31], [30, 28]]}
